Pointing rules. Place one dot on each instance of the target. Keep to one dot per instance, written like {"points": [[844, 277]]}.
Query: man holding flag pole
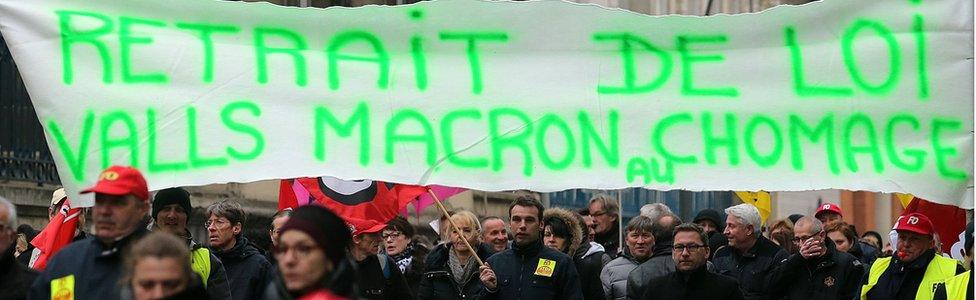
{"points": [[91, 268], [65, 226]]}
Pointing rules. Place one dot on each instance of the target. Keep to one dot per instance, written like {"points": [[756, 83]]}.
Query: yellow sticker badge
{"points": [[63, 288], [545, 267]]}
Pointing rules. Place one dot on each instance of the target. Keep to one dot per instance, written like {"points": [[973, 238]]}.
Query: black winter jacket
{"points": [[610, 241], [414, 273], [699, 284], [660, 264], [589, 263], [381, 281], [96, 268], [836, 275], [438, 282], [865, 253], [15, 278], [248, 271], [751, 269], [520, 274]]}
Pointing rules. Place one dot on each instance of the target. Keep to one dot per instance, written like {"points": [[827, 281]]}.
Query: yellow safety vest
{"points": [[200, 262], [957, 286], [938, 271]]}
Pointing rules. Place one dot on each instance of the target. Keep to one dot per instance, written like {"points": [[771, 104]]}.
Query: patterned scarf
{"points": [[461, 273], [405, 257]]}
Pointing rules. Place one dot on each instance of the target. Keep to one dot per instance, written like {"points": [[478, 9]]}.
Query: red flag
{"points": [[57, 234], [291, 194], [948, 220], [357, 199]]}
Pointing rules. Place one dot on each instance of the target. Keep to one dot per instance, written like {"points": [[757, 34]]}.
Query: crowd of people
{"points": [[141, 248]]}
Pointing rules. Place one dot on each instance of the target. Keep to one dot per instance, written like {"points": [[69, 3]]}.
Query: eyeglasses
{"points": [[392, 234], [690, 248], [597, 214], [804, 238], [301, 251], [217, 223]]}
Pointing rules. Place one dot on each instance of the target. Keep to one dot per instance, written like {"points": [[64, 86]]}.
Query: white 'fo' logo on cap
{"points": [[826, 206], [913, 220]]}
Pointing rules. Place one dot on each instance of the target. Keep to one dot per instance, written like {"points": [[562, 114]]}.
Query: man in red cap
{"points": [[91, 268], [829, 213], [916, 270], [377, 276]]}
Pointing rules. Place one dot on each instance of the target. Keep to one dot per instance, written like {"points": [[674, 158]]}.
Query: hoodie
{"points": [[588, 257]]}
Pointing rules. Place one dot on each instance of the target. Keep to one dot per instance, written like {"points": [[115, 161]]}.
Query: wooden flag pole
{"points": [[456, 228]]}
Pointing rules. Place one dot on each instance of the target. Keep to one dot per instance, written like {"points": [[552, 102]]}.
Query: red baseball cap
{"points": [[828, 207], [915, 222], [121, 181], [361, 226]]}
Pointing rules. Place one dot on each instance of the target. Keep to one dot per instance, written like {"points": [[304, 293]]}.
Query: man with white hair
{"points": [[654, 210], [15, 278], [749, 257]]}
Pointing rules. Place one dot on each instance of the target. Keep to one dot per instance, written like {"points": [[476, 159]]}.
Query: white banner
{"points": [[540, 95]]}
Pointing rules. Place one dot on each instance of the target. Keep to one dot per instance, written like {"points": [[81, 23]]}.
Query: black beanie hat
{"points": [[711, 215], [794, 217], [328, 230], [165, 197]]}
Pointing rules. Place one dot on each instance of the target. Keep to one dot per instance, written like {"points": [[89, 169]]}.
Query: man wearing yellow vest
{"points": [[915, 271], [171, 211], [959, 287]]}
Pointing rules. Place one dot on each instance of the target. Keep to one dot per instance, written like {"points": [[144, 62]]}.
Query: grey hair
{"points": [[654, 211], [608, 203], [817, 225], [11, 213], [640, 224], [748, 214], [228, 209]]}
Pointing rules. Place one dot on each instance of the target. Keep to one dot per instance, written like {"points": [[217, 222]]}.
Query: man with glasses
{"points": [[819, 271], [915, 271], [604, 211], [248, 270], [691, 279]]}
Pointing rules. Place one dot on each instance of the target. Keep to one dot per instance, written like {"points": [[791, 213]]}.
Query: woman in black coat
{"points": [[452, 270], [565, 231]]}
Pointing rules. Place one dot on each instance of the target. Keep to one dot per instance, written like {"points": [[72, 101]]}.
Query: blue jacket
{"points": [[533, 272], [94, 268]]}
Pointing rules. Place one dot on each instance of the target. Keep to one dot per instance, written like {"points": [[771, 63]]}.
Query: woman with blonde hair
{"points": [[452, 271]]}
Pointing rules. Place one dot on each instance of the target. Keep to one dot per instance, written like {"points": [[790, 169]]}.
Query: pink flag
{"points": [[425, 200]]}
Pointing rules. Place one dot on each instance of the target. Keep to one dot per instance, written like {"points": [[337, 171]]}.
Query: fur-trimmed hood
{"points": [[575, 228]]}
